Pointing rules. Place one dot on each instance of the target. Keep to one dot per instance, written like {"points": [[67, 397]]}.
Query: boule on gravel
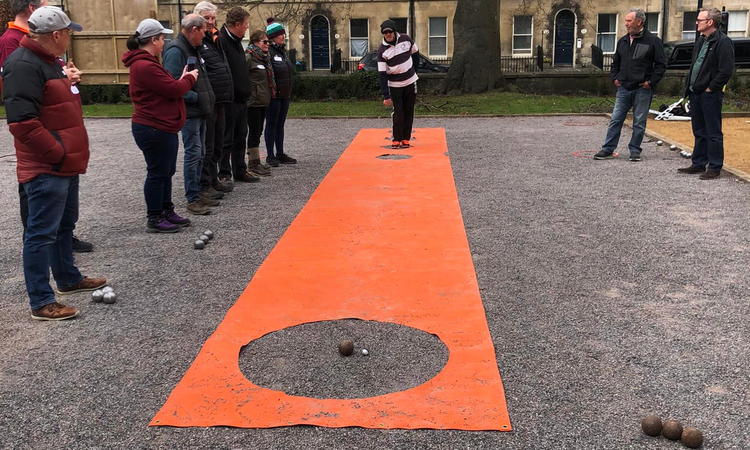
{"points": [[651, 425], [692, 437], [346, 347], [672, 429], [97, 295]]}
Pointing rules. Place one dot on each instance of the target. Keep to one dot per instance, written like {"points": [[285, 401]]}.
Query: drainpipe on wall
{"points": [[664, 20], [411, 21], [179, 12]]}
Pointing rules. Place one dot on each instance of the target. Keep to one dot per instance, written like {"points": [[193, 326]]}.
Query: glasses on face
{"points": [[266, 41], [701, 20]]}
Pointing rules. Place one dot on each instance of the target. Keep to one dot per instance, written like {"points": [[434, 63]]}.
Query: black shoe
{"points": [[710, 175], [692, 169], [272, 161], [635, 158], [603, 155], [80, 246], [286, 159]]}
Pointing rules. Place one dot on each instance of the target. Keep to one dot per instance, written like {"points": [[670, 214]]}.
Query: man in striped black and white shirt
{"points": [[398, 80]]}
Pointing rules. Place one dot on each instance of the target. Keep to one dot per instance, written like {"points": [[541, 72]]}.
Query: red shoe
{"points": [[395, 144], [405, 144]]}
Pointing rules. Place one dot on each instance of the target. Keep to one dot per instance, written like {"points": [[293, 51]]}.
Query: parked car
{"points": [[369, 63], [679, 54]]}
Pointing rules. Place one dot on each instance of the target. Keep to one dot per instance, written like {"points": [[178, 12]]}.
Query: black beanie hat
{"points": [[388, 24]]}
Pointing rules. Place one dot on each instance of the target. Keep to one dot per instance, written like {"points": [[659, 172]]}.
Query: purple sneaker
{"points": [[158, 224], [174, 218]]}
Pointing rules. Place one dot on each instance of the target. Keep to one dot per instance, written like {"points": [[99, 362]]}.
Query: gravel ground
{"points": [[613, 290]]}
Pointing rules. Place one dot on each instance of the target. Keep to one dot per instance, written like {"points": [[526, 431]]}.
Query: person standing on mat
{"points": [[397, 67]]}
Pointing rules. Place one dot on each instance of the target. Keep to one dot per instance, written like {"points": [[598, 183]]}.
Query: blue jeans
{"points": [[638, 99], [160, 152], [194, 141], [53, 213], [705, 116], [275, 120]]}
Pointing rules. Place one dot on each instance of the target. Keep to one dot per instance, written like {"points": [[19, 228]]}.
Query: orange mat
{"points": [[379, 240]]}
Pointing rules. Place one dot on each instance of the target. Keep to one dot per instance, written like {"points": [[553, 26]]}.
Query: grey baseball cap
{"points": [[50, 18], [150, 28]]}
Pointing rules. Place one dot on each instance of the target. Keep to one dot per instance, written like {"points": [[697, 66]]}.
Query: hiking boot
{"points": [[160, 224], [85, 285], [405, 144], [253, 165], [224, 185], [692, 169], [207, 201], [175, 219], [272, 161], [603, 155], [54, 311], [286, 159], [198, 208], [710, 175], [396, 144], [80, 246], [212, 193], [247, 177], [635, 158]]}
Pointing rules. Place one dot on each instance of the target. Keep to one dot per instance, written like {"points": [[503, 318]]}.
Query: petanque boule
{"points": [[365, 352], [692, 437], [204, 238], [651, 425], [209, 233], [106, 289], [109, 298], [346, 347], [97, 295], [199, 245], [673, 147], [659, 143], [672, 429]]}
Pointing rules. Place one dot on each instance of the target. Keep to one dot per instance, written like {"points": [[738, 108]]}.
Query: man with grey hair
{"points": [[220, 76], [637, 67], [713, 65], [199, 103]]}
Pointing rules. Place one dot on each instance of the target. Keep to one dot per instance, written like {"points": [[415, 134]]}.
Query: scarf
{"points": [[264, 58]]}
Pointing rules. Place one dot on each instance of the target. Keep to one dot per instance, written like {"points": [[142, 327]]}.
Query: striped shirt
{"points": [[396, 61]]}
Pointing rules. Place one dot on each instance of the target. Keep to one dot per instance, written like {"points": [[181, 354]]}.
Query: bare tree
{"points": [[5, 15], [476, 52]]}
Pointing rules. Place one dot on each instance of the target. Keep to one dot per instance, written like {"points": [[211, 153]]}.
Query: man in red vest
{"points": [[44, 116]]}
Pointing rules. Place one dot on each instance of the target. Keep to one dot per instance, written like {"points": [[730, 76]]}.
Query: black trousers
{"points": [[232, 160], [255, 119], [215, 126], [403, 111]]}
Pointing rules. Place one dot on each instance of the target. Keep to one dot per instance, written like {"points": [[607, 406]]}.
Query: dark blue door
{"points": [[320, 46], [564, 37]]}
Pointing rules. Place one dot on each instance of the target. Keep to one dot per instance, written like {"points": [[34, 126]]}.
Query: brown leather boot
{"points": [[254, 164]]}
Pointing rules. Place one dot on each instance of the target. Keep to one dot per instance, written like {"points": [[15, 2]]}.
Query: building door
{"points": [[564, 38], [320, 44]]}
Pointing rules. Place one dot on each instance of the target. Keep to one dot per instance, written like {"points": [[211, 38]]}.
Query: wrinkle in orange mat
{"points": [[379, 240]]}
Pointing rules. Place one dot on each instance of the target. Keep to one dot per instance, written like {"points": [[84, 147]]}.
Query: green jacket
{"points": [[260, 90]]}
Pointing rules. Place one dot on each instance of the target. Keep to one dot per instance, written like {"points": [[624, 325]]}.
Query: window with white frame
{"points": [[737, 25], [438, 42], [358, 37], [606, 32], [688, 24], [652, 23], [523, 31]]}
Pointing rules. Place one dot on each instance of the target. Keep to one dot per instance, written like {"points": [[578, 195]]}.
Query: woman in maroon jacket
{"points": [[159, 115]]}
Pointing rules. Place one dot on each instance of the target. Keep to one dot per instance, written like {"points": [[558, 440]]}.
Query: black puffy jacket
{"points": [[218, 69], [282, 69]]}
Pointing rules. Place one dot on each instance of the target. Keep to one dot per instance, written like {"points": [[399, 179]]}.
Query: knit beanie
{"points": [[388, 25], [274, 29]]}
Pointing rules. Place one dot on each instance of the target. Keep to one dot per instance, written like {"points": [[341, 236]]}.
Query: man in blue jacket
{"points": [[713, 65], [637, 67]]}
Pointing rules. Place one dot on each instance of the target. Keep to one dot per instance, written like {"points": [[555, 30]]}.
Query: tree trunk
{"points": [[5, 16], [476, 48]]}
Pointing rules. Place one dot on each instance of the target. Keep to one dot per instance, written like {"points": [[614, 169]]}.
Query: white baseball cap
{"points": [[50, 18]]}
